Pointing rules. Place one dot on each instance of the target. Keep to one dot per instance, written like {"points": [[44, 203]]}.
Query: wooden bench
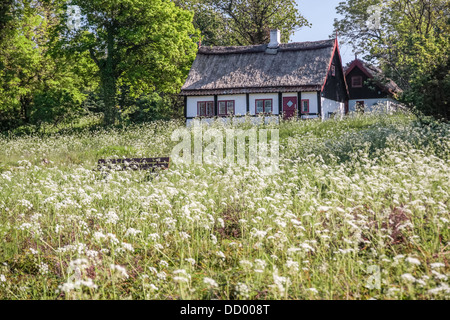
{"points": [[151, 164]]}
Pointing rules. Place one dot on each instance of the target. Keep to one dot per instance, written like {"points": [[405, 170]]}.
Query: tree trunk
{"points": [[25, 102], [109, 81]]}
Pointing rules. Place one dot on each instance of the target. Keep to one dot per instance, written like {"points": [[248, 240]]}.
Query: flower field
{"points": [[359, 209]]}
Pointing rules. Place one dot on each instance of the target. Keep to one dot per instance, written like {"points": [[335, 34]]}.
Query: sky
{"points": [[321, 15]]}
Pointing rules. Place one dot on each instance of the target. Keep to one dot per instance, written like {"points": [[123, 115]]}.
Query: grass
{"points": [[359, 210]]}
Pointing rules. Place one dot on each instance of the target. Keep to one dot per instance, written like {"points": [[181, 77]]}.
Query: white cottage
{"points": [[300, 79]]}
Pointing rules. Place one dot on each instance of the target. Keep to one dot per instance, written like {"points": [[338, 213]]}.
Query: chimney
{"points": [[275, 39]]}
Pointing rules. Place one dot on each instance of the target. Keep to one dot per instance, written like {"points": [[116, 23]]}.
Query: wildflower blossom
{"points": [[120, 271], [210, 282]]}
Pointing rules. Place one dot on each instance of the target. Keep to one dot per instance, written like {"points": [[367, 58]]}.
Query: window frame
{"points": [[333, 70], [360, 83], [206, 109], [264, 106], [226, 108], [301, 106]]}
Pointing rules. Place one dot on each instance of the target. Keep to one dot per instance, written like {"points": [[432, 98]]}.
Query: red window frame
{"points": [[301, 106], [264, 106], [206, 109], [226, 107], [358, 84]]}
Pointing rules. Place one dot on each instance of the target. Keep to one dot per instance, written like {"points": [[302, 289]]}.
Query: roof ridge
{"points": [[259, 48]]}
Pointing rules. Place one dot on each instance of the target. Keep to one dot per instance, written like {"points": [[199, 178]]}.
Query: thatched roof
{"points": [[300, 66], [375, 73]]}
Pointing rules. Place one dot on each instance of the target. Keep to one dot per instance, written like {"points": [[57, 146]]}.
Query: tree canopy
{"points": [[244, 22], [30, 75], [142, 45], [410, 39]]}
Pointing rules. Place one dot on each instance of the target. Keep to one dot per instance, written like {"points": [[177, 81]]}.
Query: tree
{"points": [[211, 22], [28, 71], [244, 22], [140, 45], [410, 39]]}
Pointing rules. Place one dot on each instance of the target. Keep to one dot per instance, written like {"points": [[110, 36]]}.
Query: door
{"points": [[289, 107]]}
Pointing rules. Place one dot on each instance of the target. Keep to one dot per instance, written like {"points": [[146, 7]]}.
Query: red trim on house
{"points": [[264, 106], [359, 64], [206, 109], [336, 50], [301, 106], [226, 107]]}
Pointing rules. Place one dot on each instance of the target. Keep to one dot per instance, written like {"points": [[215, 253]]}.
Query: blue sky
{"points": [[321, 15]]}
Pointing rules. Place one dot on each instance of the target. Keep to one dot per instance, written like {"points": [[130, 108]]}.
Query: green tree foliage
{"points": [[211, 22], [141, 46], [6, 16], [29, 72], [244, 22], [411, 42]]}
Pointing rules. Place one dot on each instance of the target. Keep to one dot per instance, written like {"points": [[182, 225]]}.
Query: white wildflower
{"points": [[437, 265], [413, 261], [119, 270], [210, 282], [408, 277]]}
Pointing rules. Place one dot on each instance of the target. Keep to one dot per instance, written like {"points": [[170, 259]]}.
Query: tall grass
{"points": [[353, 197]]}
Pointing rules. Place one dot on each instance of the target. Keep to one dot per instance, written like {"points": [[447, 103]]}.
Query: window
{"points": [[359, 106], [305, 106], [357, 82], [205, 108], [333, 70], [226, 107], [263, 106]]}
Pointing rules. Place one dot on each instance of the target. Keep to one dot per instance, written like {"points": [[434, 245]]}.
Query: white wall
{"points": [[331, 106], [192, 104], [240, 102], [369, 103], [254, 97], [312, 97]]}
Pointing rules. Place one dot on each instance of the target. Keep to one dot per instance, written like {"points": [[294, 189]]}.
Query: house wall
{"points": [[335, 87], [240, 102], [256, 96], [331, 106], [369, 90], [191, 111], [370, 103], [313, 103]]}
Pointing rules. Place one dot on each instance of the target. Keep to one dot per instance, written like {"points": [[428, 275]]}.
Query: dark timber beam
{"points": [[216, 106], [319, 104], [280, 103], [185, 107], [247, 101]]}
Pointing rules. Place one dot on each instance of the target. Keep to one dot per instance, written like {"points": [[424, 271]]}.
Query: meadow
{"points": [[358, 210]]}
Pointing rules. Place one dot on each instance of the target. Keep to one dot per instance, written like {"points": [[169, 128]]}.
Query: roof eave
{"points": [[250, 90]]}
